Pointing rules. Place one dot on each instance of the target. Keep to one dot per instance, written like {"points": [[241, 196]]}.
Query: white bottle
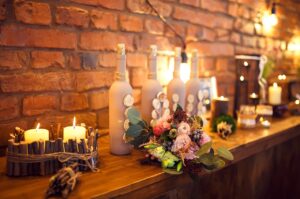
{"points": [[176, 87], [193, 93], [120, 97], [151, 88]]}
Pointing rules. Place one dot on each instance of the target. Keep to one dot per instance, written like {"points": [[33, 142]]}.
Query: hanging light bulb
{"points": [[184, 67], [273, 17], [269, 20]]}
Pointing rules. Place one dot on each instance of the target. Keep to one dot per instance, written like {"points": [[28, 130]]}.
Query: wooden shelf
{"points": [[121, 175]]}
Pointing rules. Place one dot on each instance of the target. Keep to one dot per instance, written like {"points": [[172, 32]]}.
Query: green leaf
{"points": [[225, 153], [206, 159], [134, 115], [204, 149], [179, 166], [211, 162], [134, 130], [218, 163], [151, 146], [172, 171]]}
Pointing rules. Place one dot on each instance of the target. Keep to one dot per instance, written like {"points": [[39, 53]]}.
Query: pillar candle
{"points": [[37, 134], [275, 94], [74, 132], [219, 106]]}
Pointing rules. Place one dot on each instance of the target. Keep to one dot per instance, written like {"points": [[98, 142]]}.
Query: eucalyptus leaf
{"points": [[172, 171], [134, 115], [151, 146], [204, 149], [179, 166], [207, 160], [134, 130], [225, 153]]}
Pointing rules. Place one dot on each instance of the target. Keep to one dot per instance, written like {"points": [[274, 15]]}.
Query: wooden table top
{"points": [[123, 174]]}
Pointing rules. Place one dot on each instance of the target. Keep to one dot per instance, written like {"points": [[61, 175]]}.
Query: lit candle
{"points": [[37, 134], [74, 132], [253, 96], [275, 94]]}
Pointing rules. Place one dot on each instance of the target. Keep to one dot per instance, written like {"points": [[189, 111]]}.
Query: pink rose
{"points": [[204, 139], [184, 128], [158, 130]]}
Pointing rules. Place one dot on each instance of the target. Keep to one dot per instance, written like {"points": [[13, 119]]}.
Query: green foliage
{"points": [[134, 115], [172, 171], [224, 118], [225, 153], [179, 166], [134, 130], [204, 149], [211, 162]]}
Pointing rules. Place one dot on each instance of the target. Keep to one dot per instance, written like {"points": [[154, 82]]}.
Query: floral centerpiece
{"points": [[175, 141]]}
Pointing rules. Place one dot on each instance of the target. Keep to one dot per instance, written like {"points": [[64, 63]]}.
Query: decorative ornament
{"points": [[161, 107], [224, 129], [128, 102], [175, 98]]}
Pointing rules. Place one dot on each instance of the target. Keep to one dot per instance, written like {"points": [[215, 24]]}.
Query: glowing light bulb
{"points": [[242, 78]]}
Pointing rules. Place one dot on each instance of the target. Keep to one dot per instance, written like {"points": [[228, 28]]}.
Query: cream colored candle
{"points": [[74, 132], [37, 134], [275, 94]]}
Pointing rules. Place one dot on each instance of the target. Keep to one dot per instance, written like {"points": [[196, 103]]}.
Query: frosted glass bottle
{"points": [[120, 97], [193, 86], [176, 87], [151, 87]]}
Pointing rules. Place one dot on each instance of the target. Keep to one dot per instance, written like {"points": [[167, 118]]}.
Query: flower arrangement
{"points": [[175, 141], [224, 125]]}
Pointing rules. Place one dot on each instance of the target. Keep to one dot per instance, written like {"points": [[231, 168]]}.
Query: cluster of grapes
{"points": [[196, 135]]}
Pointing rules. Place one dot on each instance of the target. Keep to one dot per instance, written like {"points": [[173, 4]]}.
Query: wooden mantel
{"points": [[123, 176]]}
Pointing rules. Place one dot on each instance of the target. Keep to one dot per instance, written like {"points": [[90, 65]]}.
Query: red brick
{"points": [[144, 41], [139, 6], [105, 40], [213, 49], [180, 28], [194, 16], [10, 59], [107, 59], [194, 33], [208, 34], [233, 9], [87, 2], [91, 80], [206, 64], [99, 100], [102, 118], [249, 41], [9, 108], [104, 20], [74, 61], [32, 12], [261, 42], [222, 64], [131, 23], [52, 81], [12, 35], [72, 16], [244, 12], [136, 60], [223, 35], [45, 59], [137, 77], [154, 26], [115, 4], [190, 2], [223, 22], [74, 101], [3, 7], [215, 6], [39, 104], [244, 26], [235, 38]]}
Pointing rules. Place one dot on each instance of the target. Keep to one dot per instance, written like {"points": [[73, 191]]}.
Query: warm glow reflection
{"points": [[294, 44]]}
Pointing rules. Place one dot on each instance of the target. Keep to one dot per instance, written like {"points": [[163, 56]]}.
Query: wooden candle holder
{"points": [[47, 157]]}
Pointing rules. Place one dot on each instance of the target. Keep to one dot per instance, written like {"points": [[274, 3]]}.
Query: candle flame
{"points": [[222, 97], [242, 78], [297, 102], [74, 122], [37, 127], [275, 84]]}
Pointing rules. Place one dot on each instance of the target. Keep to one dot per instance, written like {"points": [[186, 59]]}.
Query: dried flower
{"points": [[181, 143], [204, 139], [183, 128]]}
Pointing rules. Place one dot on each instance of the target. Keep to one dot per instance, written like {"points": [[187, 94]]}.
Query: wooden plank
{"points": [[123, 174]]}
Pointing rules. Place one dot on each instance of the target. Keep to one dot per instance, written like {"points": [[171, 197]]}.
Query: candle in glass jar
{"points": [[37, 134], [219, 106], [74, 132], [275, 94]]}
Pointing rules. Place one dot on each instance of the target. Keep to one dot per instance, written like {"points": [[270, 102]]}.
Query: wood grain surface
{"points": [[124, 177]]}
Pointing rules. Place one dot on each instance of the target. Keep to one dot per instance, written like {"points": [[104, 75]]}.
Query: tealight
{"points": [[266, 124], [36, 134], [74, 132]]}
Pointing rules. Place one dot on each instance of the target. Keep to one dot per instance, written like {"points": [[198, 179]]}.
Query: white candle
{"points": [[74, 132], [275, 94], [37, 134]]}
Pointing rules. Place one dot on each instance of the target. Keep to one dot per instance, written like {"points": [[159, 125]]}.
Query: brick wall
{"points": [[57, 56]]}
